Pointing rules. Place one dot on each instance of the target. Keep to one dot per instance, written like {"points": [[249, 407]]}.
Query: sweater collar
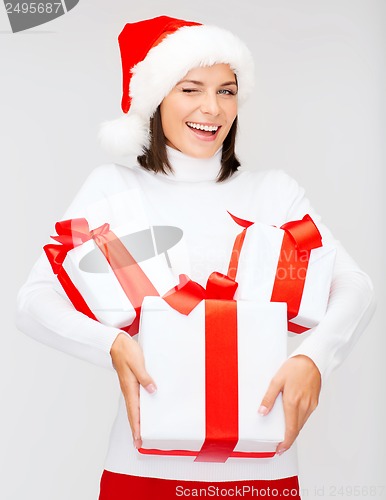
{"points": [[187, 168]]}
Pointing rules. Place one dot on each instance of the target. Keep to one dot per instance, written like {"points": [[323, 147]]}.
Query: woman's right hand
{"points": [[129, 363]]}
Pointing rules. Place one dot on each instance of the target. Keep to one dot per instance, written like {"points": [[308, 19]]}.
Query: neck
{"points": [[188, 168]]}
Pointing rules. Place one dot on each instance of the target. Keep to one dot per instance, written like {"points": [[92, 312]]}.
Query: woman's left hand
{"points": [[300, 382]]}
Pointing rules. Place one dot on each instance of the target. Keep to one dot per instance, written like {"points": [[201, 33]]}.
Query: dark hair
{"points": [[155, 156]]}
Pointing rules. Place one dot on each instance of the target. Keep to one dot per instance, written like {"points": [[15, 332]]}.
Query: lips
{"points": [[204, 134]]}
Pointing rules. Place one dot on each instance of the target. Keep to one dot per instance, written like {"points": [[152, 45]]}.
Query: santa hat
{"points": [[156, 54]]}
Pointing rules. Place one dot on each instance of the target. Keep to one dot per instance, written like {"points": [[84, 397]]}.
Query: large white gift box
{"points": [[174, 420], [284, 265]]}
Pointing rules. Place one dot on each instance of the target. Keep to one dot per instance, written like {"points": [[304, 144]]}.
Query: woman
{"points": [[182, 85]]}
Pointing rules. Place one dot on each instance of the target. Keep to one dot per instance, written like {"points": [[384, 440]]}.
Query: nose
{"points": [[210, 104]]}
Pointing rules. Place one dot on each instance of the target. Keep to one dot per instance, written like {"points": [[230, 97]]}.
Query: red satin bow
{"points": [[75, 232], [185, 296], [300, 238], [303, 233], [71, 233]]}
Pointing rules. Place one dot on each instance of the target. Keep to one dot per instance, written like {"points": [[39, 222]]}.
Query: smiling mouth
{"points": [[204, 130]]}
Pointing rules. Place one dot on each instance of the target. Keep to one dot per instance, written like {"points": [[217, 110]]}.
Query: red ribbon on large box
{"points": [[221, 393]]}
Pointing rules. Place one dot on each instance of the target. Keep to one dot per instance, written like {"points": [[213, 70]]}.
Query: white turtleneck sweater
{"points": [[191, 200]]}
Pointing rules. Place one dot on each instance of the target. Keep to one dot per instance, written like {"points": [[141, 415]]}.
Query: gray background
{"points": [[318, 112]]}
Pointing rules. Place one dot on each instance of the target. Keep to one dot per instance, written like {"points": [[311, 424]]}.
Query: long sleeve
{"points": [[43, 310], [351, 301], [46, 315]]}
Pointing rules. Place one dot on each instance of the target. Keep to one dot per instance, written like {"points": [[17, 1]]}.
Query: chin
{"points": [[194, 150], [202, 153]]}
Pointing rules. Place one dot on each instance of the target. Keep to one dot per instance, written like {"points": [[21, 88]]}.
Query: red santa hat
{"points": [[156, 54]]}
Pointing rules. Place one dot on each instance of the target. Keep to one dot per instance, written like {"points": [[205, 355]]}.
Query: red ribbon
{"points": [[56, 255], [221, 393], [300, 237], [75, 232]]}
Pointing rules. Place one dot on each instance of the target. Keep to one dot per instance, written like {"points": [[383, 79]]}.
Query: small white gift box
{"points": [[273, 266], [113, 282], [175, 420]]}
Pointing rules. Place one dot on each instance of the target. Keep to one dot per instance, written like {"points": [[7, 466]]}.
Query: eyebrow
{"points": [[196, 82]]}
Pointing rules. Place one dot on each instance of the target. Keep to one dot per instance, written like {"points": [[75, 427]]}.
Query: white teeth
{"points": [[207, 128]]}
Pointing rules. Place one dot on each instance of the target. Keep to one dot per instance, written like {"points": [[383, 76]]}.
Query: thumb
{"points": [[269, 398], [137, 366], [136, 363], [146, 380]]}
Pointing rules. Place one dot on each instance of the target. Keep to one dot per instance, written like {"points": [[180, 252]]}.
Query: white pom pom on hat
{"points": [[125, 135], [156, 54]]}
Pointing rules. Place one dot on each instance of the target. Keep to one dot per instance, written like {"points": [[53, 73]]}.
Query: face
{"points": [[206, 98]]}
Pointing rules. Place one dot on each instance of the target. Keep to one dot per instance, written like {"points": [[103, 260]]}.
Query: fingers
{"points": [[291, 425], [297, 410], [137, 366], [274, 389], [299, 381], [126, 353], [290, 412], [131, 395], [128, 361]]}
